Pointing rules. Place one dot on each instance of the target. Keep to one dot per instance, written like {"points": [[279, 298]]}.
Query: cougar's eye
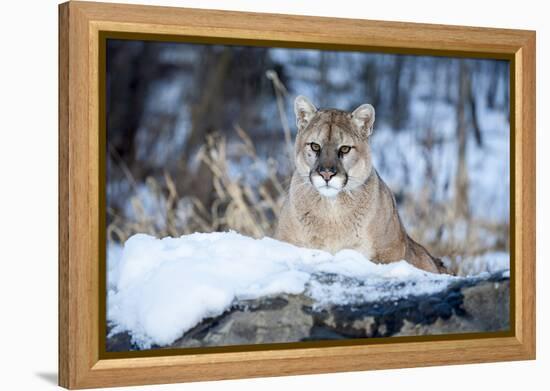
{"points": [[344, 149], [315, 147]]}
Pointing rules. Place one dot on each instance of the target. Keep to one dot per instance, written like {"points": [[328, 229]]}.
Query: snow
{"points": [[160, 288], [114, 253], [489, 263]]}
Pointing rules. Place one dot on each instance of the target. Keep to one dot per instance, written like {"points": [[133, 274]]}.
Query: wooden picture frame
{"points": [[81, 25]]}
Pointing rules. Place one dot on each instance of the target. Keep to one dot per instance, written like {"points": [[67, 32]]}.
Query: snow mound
{"points": [[160, 288]]}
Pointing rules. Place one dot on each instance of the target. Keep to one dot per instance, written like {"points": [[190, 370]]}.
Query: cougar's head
{"points": [[331, 148]]}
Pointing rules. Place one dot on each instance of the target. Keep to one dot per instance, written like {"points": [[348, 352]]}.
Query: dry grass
{"points": [[445, 232], [236, 206]]}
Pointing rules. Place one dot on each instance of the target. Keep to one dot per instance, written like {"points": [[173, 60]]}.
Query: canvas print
{"points": [[270, 195]]}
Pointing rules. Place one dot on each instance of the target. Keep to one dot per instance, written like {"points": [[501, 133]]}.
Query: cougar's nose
{"points": [[327, 172]]}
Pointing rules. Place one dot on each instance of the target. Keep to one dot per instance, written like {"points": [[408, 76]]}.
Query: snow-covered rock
{"points": [[163, 290]]}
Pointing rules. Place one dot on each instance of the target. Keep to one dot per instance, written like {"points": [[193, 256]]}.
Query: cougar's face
{"points": [[332, 150], [327, 155]]}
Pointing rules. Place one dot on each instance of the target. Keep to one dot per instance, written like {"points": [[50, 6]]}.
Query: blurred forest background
{"points": [[199, 138]]}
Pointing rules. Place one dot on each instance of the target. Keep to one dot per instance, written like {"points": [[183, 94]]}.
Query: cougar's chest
{"points": [[333, 231]]}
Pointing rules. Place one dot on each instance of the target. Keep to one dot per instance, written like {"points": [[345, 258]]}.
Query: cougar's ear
{"points": [[304, 110], [363, 118]]}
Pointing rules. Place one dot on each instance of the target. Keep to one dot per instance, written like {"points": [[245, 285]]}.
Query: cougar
{"points": [[336, 199]]}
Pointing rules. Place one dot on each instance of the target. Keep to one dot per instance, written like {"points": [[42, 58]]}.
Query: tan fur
{"points": [[359, 211]]}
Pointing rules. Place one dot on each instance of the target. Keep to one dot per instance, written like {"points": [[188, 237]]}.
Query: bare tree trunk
{"points": [[205, 119], [473, 112], [506, 71], [372, 78], [493, 85], [205, 114], [449, 72], [324, 86], [461, 180], [129, 84], [398, 104]]}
